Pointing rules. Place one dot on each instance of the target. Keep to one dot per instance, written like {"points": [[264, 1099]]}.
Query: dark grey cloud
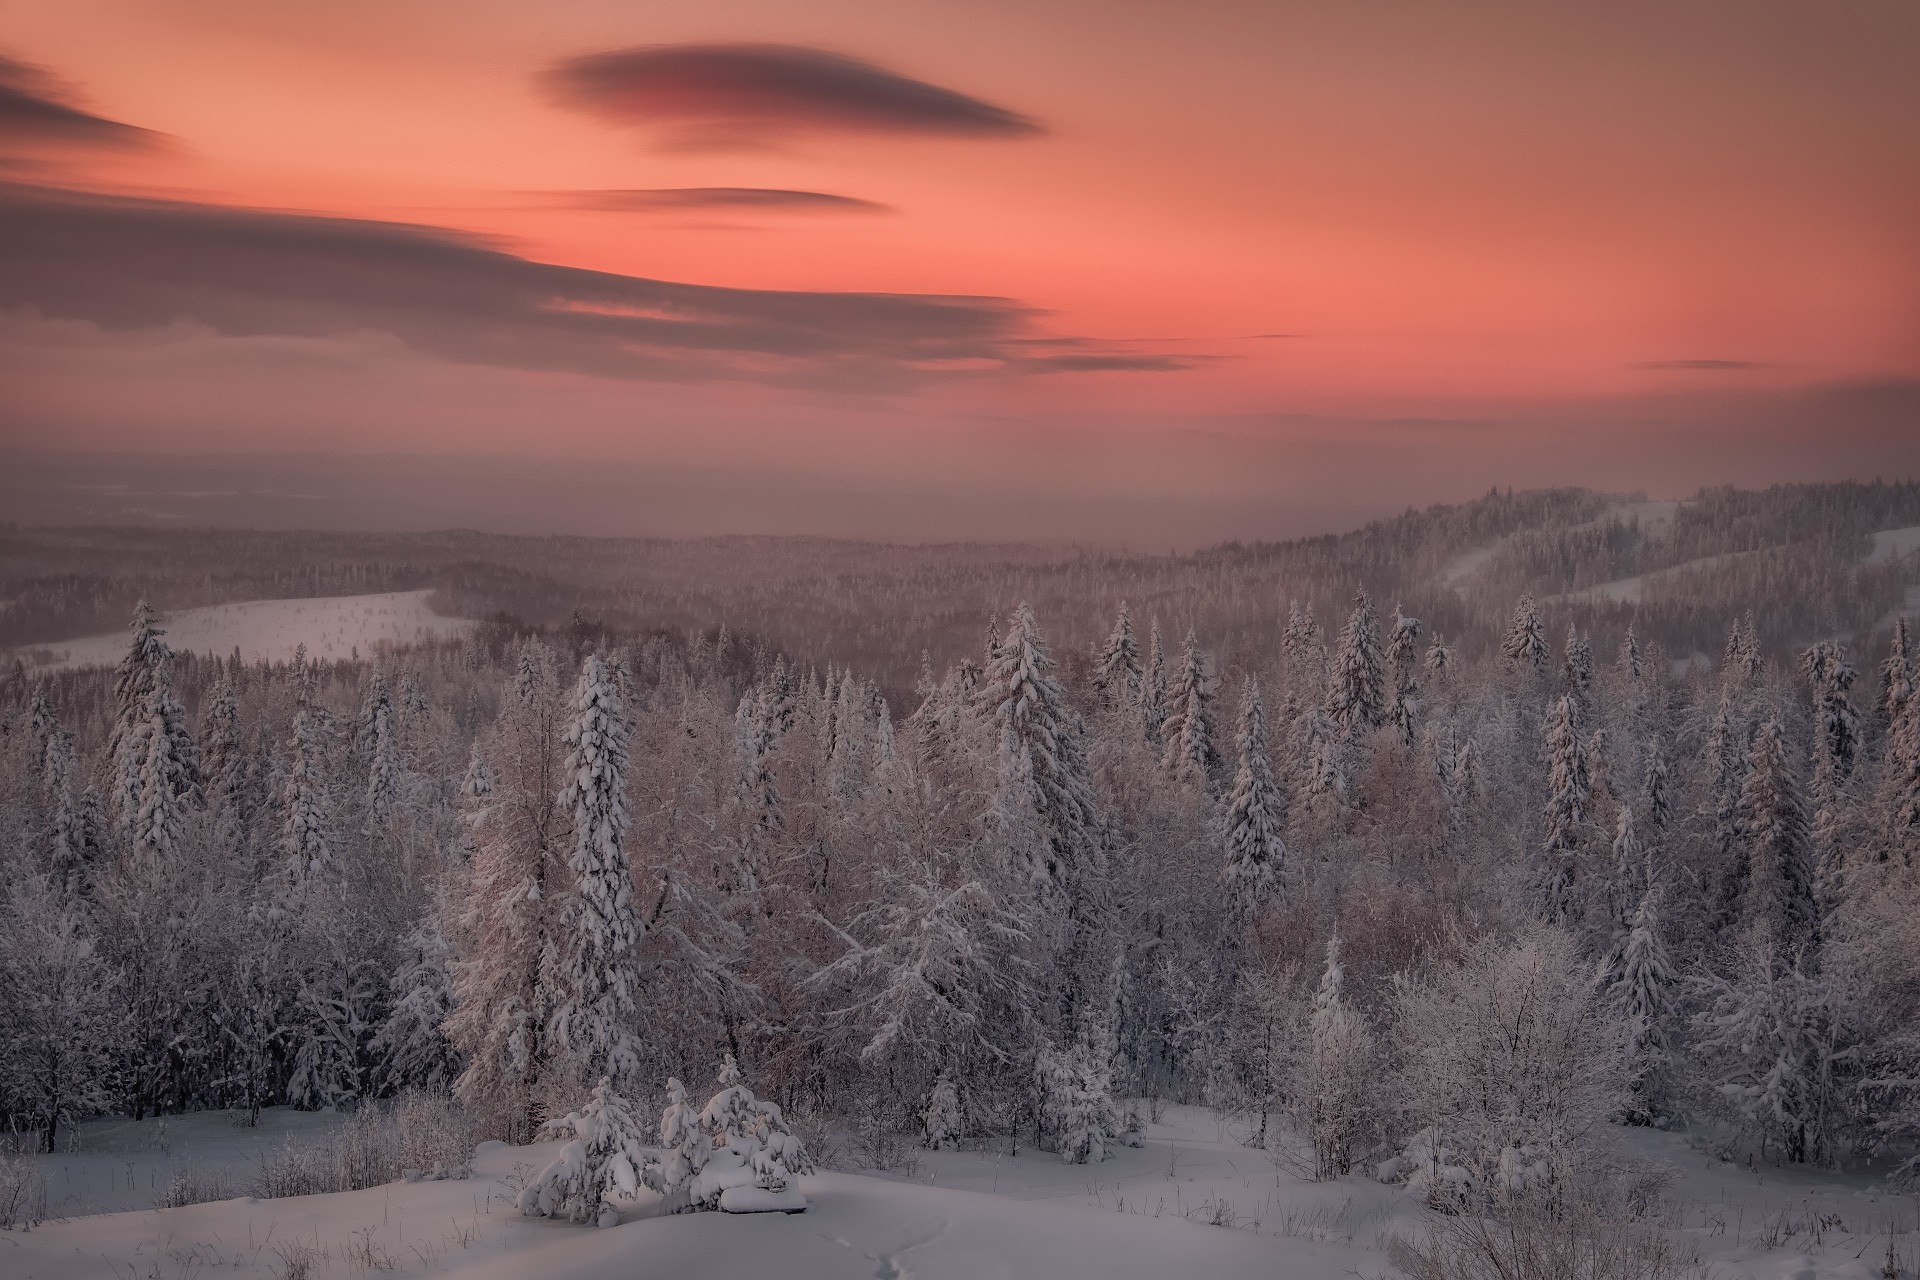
{"points": [[37, 110], [1109, 362], [743, 94], [1724, 365], [132, 264], [723, 199]]}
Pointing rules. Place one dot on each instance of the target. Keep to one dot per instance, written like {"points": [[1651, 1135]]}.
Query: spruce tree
{"points": [[1642, 989], [1577, 669], [1568, 794], [1896, 673], [1356, 687], [1333, 1080], [1780, 908], [594, 1002], [1402, 651], [1153, 686], [306, 835], [1191, 755], [1117, 670], [379, 739], [1301, 638], [1524, 647], [1021, 698], [1630, 656], [1902, 781], [1256, 814]]}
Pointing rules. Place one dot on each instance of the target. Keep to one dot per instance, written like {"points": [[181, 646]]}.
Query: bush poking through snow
{"points": [[736, 1155], [1431, 1170], [23, 1194], [416, 1137], [943, 1120], [603, 1157], [1532, 1237]]}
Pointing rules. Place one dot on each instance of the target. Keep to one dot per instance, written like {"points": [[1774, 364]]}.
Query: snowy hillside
{"points": [[1192, 1201], [333, 628]]}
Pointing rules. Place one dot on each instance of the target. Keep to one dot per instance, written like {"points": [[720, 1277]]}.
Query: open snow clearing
{"points": [[1192, 1201], [333, 628]]}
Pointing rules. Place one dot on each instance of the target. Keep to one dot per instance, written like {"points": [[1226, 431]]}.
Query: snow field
{"points": [[1192, 1202], [333, 628]]}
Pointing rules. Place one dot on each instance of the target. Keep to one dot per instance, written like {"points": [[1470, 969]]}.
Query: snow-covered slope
{"points": [[1894, 544], [332, 627], [1192, 1202]]}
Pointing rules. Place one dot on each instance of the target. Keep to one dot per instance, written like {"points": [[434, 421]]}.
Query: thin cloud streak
{"points": [[735, 199], [136, 264], [718, 96], [36, 109], [1730, 366]]}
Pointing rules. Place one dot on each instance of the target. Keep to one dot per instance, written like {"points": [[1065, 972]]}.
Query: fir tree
{"points": [[943, 1118], [1402, 650], [1039, 740], [1780, 908], [1333, 1081], [1153, 686], [1726, 766], [1626, 881], [595, 990], [411, 1047], [1630, 656], [1256, 814], [1902, 780], [1301, 638], [1191, 755], [1642, 989], [1356, 690], [1524, 647], [1896, 673], [306, 835], [1117, 671], [1577, 668], [379, 739], [1568, 794], [133, 679], [603, 1156], [1656, 786]]}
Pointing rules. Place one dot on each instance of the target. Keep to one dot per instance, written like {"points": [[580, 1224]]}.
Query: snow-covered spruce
{"points": [[603, 1157], [736, 1154]]}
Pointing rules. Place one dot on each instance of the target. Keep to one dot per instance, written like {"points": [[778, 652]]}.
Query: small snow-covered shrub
{"points": [[1592, 1236], [296, 1171], [1076, 1103], [943, 1119], [192, 1184], [23, 1194], [1431, 1170], [880, 1147], [736, 1155], [419, 1136], [603, 1156], [432, 1137], [1512, 1047]]}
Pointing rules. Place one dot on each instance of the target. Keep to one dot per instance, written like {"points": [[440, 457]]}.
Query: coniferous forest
{"points": [[1449, 912]]}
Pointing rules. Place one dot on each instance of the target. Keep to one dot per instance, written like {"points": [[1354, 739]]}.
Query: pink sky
{"points": [[892, 242]]}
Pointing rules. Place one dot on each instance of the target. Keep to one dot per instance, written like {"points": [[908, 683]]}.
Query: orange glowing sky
{"points": [[1525, 224]]}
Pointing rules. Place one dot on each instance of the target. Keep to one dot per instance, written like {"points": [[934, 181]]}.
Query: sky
{"points": [[1101, 270]]}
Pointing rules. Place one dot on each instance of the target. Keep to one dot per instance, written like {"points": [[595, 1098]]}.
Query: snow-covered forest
{"points": [[1451, 900]]}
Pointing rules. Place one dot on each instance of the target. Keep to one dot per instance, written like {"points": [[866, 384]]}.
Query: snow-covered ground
{"points": [[1654, 517], [1192, 1202], [332, 627], [1894, 544]]}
